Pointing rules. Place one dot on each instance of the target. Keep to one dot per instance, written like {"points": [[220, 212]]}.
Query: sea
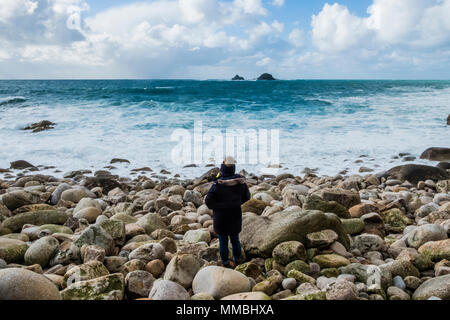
{"points": [[324, 125]]}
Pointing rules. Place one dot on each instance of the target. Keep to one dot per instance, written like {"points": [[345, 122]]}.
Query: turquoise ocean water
{"points": [[322, 124]]}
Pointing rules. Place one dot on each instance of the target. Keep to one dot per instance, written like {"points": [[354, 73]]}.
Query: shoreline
{"points": [[360, 165]]}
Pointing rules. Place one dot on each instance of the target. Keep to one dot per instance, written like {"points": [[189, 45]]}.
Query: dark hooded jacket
{"points": [[225, 198]]}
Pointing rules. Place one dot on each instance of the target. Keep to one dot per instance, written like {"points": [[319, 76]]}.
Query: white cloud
{"points": [[264, 62], [12, 8], [250, 6], [278, 3], [172, 38], [296, 37], [414, 23], [336, 29]]}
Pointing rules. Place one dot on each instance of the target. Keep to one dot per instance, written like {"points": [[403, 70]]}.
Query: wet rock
{"points": [[415, 173], [436, 154], [21, 164], [43, 125]]}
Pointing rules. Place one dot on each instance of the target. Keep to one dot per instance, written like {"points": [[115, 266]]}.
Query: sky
{"points": [[216, 39]]}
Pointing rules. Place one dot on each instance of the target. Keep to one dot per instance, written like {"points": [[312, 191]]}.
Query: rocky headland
{"points": [[347, 237]]}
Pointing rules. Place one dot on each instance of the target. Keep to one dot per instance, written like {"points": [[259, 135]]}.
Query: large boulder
{"points": [[260, 235], [436, 154], [148, 252], [220, 282], [115, 228], [22, 284], [56, 195], [368, 242], [16, 199], [342, 290], [436, 250], [255, 206], [12, 250], [426, 233], [98, 236], [437, 287], [36, 218], [289, 251], [314, 202], [346, 198], [415, 173], [74, 195], [110, 287], [182, 269], [21, 164], [200, 235], [90, 270], [41, 251], [151, 222], [168, 290], [139, 283], [105, 181], [331, 261]]}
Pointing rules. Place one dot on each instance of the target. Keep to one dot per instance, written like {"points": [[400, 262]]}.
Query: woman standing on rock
{"points": [[225, 198]]}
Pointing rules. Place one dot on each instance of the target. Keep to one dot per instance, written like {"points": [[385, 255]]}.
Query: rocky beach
{"points": [[98, 236]]}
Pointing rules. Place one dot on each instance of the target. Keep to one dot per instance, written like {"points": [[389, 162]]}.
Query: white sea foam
{"points": [[89, 134]]}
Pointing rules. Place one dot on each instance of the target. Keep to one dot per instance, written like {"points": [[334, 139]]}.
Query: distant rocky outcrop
{"points": [[237, 78], [415, 173], [436, 154], [41, 126], [21, 164], [266, 76]]}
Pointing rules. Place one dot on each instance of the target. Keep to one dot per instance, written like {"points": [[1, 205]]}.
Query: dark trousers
{"points": [[224, 252]]}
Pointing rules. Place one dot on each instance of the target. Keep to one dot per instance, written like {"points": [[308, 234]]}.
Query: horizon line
{"points": [[223, 79]]}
